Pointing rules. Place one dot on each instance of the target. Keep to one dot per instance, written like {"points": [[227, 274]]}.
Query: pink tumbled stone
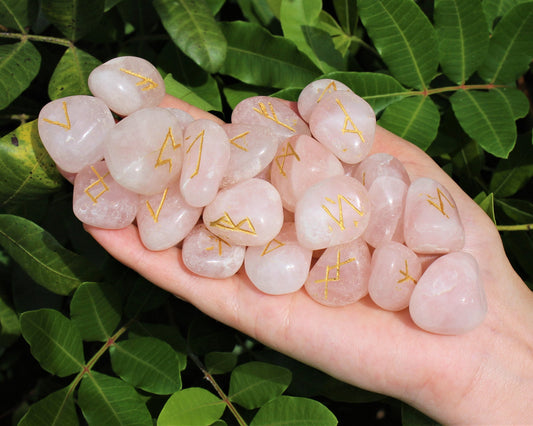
{"points": [[301, 162], [73, 130], [127, 84], [247, 213], [332, 212], [449, 298], [395, 270], [100, 201], [272, 113], [377, 165], [340, 275], [210, 256], [281, 266], [431, 220], [207, 154], [344, 123], [165, 219], [144, 150], [313, 93]]}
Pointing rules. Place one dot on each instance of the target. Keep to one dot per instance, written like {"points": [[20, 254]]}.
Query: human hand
{"points": [[484, 376]]}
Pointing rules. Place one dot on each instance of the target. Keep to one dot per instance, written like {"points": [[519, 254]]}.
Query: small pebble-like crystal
{"points": [[340, 275], [313, 93], [127, 84], [184, 118], [377, 165], [73, 130], [449, 297]]}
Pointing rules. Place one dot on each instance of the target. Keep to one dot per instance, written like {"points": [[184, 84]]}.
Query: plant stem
{"points": [[45, 39], [523, 227]]}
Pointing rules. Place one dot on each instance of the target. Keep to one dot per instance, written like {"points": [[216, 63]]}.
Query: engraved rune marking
{"points": [[330, 88], [155, 216], [244, 146], [340, 220], [201, 138], [175, 145], [226, 222], [406, 275], [272, 116], [288, 151], [364, 178], [66, 125], [348, 121], [101, 181], [268, 249], [148, 83], [218, 241], [337, 268], [440, 206]]}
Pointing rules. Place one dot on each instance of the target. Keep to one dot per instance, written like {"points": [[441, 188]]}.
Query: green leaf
{"points": [[469, 160], [404, 37], [18, 14], [74, 18], [220, 362], [289, 410], [143, 297], [236, 93], [341, 40], [512, 174], [56, 409], [55, 342], [192, 27], [42, 257], [346, 12], [511, 46], [9, 321], [415, 119], [147, 363], [191, 406], [486, 119], [257, 57], [19, 65], [463, 37], [515, 99], [255, 383], [494, 9], [520, 246], [106, 400], [413, 417], [96, 309], [520, 211], [175, 88], [71, 74], [486, 202]]}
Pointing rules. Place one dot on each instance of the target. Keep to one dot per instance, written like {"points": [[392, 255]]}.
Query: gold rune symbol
{"points": [[201, 137], [406, 275], [287, 152], [244, 145], [337, 268], [219, 242], [100, 180], [270, 250], [330, 88], [340, 220], [148, 83], [348, 120], [440, 206], [155, 216], [272, 116], [226, 222], [175, 145], [66, 125]]}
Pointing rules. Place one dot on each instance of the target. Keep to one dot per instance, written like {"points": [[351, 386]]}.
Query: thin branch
{"points": [[523, 227], [32, 37]]}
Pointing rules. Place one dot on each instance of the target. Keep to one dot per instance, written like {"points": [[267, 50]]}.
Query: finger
{"points": [[197, 113]]}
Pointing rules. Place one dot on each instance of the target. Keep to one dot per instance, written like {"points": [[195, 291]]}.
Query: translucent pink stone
{"points": [[127, 84], [377, 165], [272, 113], [332, 212], [73, 130], [300, 162], [184, 118], [247, 213], [165, 219], [387, 199], [252, 149], [281, 266], [210, 256], [449, 297], [395, 270], [431, 220], [143, 151], [100, 201], [345, 124], [313, 93], [207, 153], [340, 275]]}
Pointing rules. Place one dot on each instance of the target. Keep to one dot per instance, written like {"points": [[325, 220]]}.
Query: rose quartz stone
{"points": [[340, 275], [165, 219], [272, 113], [100, 201], [300, 162], [387, 199], [281, 266], [73, 131], [395, 270], [247, 213], [344, 123], [144, 150], [184, 118], [377, 165], [313, 93], [431, 220], [210, 256], [449, 297], [207, 154], [332, 212], [127, 84]]}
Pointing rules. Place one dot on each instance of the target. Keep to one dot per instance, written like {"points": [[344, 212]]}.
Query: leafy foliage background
{"points": [[84, 340]]}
